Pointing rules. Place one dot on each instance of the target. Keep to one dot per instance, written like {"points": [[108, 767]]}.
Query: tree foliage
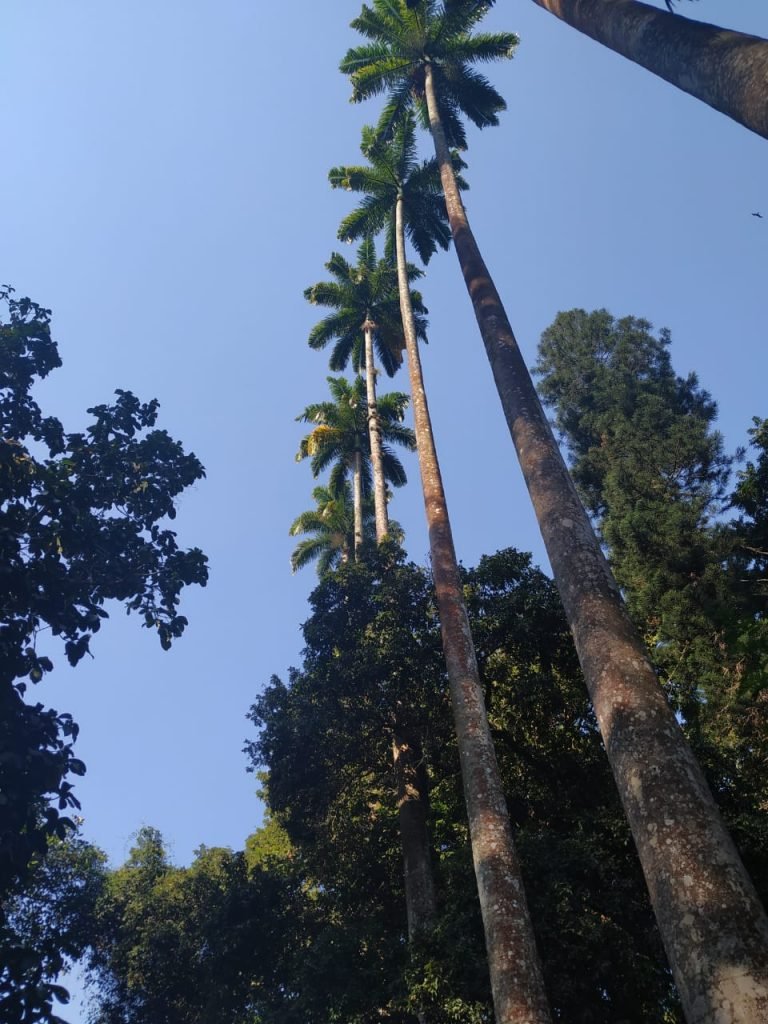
{"points": [[82, 523], [404, 39], [341, 432], [652, 470], [360, 292], [308, 923], [183, 945], [48, 928], [394, 170], [372, 662]]}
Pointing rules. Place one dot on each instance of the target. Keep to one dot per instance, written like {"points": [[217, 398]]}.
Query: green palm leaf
{"points": [[404, 38]]}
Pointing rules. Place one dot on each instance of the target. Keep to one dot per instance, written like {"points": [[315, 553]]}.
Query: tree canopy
{"points": [[83, 523]]}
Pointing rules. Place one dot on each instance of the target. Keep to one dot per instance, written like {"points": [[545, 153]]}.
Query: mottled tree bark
{"points": [[714, 929], [728, 70], [516, 982], [377, 466]]}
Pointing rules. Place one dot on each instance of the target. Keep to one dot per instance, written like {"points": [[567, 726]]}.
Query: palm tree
{"points": [[331, 527], [393, 170], [422, 57], [365, 309], [728, 70], [340, 439], [516, 981]]}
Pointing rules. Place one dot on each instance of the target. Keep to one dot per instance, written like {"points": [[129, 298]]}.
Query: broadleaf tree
{"points": [[83, 523]]}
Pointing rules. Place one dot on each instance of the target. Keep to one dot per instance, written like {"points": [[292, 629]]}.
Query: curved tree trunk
{"points": [[728, 70], [357, 502], [516, 983], [377, 467], [714, 929]]}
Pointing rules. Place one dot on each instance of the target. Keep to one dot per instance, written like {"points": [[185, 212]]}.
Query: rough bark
{"points": [[714, 929], [728, 70], [413, 807], [516, 982], [357, 501], [377, 466]]}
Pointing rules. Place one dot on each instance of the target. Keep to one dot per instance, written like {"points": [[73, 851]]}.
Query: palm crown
{"points": [[405, 38], [341, 432], [328, 529], [394, 171], [363, 292]]}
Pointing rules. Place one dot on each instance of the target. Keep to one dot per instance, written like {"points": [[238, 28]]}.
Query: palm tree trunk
{"points": [[711, 921], [377, 467], [516, 983], [357, 501], [413, 807], [728, 70]]}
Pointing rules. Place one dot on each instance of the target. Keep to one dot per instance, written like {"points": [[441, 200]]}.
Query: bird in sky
{"points": [[758, 214]]}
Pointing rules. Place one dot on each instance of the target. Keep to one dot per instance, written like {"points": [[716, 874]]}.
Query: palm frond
{"points": [[471, 94], [393, 467], [485, 46], [398, 103]]}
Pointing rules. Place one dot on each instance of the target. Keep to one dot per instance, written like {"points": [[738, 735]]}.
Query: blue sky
{"points": [[164, 193]]}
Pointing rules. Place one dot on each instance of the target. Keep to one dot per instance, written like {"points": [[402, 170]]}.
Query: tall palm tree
{"points": [[331, 530], [727, 70], [365, 315], [422, 57], [516, 982], [340, 439]]}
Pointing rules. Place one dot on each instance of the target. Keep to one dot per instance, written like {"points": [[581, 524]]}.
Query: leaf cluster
{"points": [[372, 668], [82, 523], [652, 469], [47, 929], [405, 39]]}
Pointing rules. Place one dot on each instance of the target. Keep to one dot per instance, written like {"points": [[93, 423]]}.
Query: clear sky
{"points": [[163, 176]]}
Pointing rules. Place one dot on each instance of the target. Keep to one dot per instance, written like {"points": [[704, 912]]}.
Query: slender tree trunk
{"points": [[377, 466], [357, 502], [516, 982], [713, 926], [728, 70], [413, 807]]}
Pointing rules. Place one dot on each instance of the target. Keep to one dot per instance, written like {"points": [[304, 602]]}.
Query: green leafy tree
{"points": [[365, 316], [750, 498], [307, 924], [47, 929], [423, 56], [344, 804], [651, 469], [725, 69], [194, 945], [371, 667], [82, 522], [515, 974], [341, 439]]}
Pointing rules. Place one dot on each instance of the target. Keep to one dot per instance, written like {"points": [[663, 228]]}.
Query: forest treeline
{"points": [[309, 922], [490, 796]]}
